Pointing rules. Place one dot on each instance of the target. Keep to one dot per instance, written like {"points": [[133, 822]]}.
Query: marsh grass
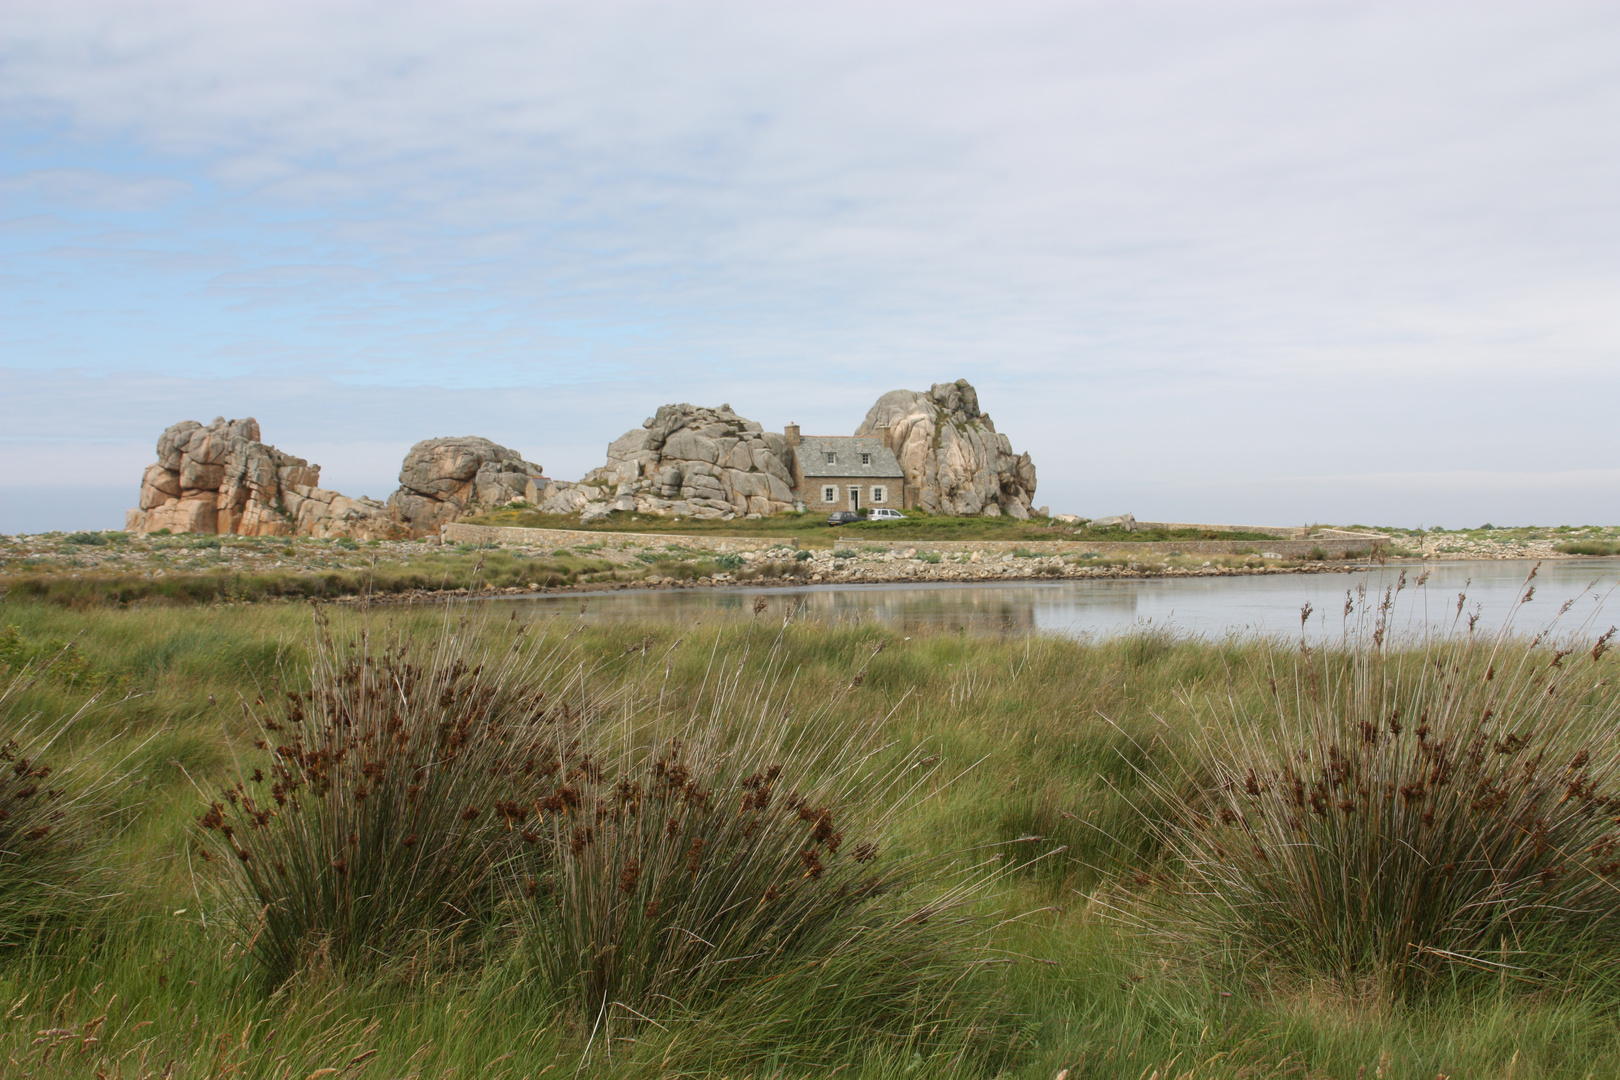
{"points": [[1042, 743], [379, 803], [1402, 817], [55, 804], [1588, 547], [471, 570], [725, 863]]}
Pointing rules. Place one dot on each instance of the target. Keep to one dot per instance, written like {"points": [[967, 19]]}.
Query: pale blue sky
{"points": [[1248, 262]]}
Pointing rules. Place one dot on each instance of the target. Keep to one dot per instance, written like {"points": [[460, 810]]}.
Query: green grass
{"points": [[1589, 547], [811, 529], [448, 570], [1048, 753]]}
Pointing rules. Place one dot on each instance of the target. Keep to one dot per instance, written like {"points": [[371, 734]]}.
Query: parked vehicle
{"points": [[843, 517], [883, 514]]}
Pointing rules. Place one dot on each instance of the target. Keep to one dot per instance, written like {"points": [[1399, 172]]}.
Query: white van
{"points": [[884, 514]]}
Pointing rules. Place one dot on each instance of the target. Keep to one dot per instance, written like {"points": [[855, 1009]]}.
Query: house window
{"points": [[832, 458], [880, 493], [866, 459], [829, 494]]}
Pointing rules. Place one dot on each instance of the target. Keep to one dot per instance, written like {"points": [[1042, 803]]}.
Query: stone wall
{"points": [[458, 533]]}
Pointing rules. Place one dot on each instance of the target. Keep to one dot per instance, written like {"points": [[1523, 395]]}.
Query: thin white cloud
{"points": [[1092, 210]]}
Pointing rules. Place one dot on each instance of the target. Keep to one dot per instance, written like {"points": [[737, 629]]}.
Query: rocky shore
{"points": [[608, 560]]}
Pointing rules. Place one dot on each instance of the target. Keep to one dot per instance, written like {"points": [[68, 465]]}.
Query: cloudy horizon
{"points": [[1273, 262]]}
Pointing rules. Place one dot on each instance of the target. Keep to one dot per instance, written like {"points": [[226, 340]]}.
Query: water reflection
{"points": [[1213, 606]]}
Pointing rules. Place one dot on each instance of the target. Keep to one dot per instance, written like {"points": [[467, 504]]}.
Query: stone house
{"points": [[846, 472]]}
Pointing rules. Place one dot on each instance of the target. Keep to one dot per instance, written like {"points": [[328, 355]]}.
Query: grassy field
{"points": [[975, 856], [811, 528]]}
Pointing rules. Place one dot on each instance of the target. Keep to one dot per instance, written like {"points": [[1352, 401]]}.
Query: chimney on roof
{"points": [[791, 433]]}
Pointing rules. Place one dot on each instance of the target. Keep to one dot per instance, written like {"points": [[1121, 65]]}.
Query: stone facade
{"points": [[845, 473]]}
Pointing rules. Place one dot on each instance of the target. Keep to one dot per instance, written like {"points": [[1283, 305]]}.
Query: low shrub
{"points": [[1588, 547], [776, 568], [933, 558], [1406, 818], [89, 538]]}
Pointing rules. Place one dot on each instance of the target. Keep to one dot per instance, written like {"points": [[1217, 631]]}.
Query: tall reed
{"points": [[1403, 814]]}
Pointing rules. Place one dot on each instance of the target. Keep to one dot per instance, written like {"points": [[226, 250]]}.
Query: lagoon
{"points": [[1267, 605]]}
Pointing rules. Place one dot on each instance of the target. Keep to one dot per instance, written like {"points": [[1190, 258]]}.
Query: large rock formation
{"points": [[220, 478], [441, 479], [951, 452], [688, 461]]}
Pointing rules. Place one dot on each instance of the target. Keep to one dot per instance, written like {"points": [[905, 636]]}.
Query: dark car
{"points": [[843, 517]]}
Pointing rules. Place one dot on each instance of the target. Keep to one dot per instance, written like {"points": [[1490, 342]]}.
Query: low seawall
{"points": [[457, 533]]}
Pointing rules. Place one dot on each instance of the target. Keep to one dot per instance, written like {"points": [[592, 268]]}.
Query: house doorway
{"points": [[855, 498]]}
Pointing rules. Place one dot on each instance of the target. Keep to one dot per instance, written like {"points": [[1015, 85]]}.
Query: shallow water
{"points": [[1212, 606]]}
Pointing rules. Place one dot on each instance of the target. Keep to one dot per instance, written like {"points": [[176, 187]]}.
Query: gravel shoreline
{"points": [[622, 561], [1012, 577]]}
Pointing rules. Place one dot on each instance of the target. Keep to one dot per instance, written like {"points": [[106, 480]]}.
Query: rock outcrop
{"points": [[951, 452], [688, 461], [220, 478], [441, 479]]}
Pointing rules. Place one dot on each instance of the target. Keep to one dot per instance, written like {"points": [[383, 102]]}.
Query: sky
{"points": [[1269, 263]]}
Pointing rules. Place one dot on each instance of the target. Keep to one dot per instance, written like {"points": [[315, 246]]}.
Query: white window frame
{"points": [[880, 494], [866, 459], [829, 493], [832, 458]]}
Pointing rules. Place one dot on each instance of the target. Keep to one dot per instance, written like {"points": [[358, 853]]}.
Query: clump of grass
{"points": [[380, 802], [427, 573], [1409, 815], [48, 812], [774, 568], [744, 872], [1588, 547]]}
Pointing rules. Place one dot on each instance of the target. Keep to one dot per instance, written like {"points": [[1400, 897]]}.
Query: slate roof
{"points": [[847, 451]]}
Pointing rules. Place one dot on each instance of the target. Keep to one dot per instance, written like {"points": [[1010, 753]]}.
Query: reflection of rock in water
{"points": [[998, 608], [1006, 610], [1255, 604]]}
